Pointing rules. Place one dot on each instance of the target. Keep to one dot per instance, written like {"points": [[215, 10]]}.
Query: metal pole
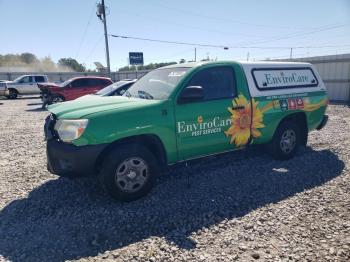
{"points": [[106, 38], [291, 53], [195, 54]]}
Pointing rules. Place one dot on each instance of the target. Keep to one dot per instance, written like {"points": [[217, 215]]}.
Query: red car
{"points": [[72, 88]]}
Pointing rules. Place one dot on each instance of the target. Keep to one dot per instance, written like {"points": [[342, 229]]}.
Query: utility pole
{"points": [[101, 13], [291, 53], [195, 54], [248, 56]]}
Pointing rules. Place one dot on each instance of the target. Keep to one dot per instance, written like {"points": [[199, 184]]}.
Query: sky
{"points": [[252, 29]]}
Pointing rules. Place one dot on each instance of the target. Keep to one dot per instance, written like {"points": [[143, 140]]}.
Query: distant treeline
{"points": [[145, 67], [31, 63]]}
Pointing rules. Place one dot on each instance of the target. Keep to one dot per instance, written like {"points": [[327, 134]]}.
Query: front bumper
{"points": [[323, 122], [69, 160]]}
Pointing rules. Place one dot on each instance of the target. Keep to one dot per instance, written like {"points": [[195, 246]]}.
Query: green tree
{"points": [[72, 63], [150, 66], [29, 58]]}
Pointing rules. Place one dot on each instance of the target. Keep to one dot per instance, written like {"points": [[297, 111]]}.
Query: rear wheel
{"points": [[286, 141], [129, 172], [12, 94]]}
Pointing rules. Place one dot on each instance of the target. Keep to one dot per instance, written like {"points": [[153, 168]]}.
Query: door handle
{"points": [[237, 107]]}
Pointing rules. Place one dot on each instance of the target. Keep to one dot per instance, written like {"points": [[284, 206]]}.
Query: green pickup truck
{"points": [[181, 112]]}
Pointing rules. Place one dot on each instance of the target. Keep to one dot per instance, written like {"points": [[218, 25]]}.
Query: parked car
{"points": [[181, 112], [72, 88], [23, 85], [115, 89]]}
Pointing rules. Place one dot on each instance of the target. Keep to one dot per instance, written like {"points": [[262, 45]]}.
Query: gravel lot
{"points": [[240, 206]]}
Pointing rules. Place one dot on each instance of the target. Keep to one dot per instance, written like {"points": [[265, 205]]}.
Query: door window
{"points": [[39, 79], [92, 82], [26, 79], [79, 83], [217, 82], [105, 82]]}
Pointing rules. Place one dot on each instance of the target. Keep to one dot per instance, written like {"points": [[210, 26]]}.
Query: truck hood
{"points": [[96, 104]]}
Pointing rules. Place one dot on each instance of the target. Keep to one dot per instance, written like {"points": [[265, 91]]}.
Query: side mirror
{"points": [[191, 94]]}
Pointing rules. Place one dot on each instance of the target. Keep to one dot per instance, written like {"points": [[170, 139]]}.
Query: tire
{"points": [[285, 141], [56, 99], [129, 172], [13, 94]]}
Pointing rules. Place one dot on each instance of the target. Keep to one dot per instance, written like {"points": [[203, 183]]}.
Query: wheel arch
{"points": [[300, 119], [13, 88], [150, 141]]}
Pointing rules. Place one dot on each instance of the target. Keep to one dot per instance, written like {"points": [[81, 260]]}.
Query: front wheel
{"points": [[285, 142], [129, 172], [12, 94]]}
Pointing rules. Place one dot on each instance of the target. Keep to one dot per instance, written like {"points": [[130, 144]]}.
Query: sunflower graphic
{"points": [[240, 129]]}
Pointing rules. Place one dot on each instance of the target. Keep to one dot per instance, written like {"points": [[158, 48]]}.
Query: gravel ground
{"points": [[240, 206]]}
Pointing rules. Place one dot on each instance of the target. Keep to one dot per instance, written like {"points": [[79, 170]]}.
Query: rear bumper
{"points": [[70, 160], [323, 122]]}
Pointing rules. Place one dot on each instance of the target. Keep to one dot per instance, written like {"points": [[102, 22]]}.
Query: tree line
{"points": [[32, 62], [29, 60]]}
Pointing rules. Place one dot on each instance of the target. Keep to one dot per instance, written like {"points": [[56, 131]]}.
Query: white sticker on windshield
{"points": [[177, 73]]}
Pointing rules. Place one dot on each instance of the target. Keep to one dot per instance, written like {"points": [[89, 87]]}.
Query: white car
{"points": [[23, 85]]}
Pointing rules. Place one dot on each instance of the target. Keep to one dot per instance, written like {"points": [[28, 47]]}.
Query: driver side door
{"points": [[25, 85], [201, 125], [76, 88]]}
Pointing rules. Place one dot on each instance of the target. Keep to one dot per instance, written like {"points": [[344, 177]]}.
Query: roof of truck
{"points": [[244, 63]]}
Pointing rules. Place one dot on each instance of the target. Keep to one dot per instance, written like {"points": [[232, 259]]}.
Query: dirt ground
{"points": [[240, 206]]}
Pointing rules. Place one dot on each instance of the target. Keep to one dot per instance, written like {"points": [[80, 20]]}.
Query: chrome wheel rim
{"points": [[131, 174], [288, 141]]}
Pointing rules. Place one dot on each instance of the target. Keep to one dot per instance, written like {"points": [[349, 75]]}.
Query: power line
{"points": [[186, 26], [183, 11], [94, 47], [320, 29], [220, 46], [85, 31], [167, 41]]}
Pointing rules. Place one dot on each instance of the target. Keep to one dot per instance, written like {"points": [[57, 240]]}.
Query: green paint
{"points": [[186, 130]]}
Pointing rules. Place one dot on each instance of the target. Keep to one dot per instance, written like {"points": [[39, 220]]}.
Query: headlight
{"points": [[69, 129]]}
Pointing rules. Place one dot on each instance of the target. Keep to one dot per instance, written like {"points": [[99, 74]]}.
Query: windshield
{"points": [[157, 84], [65, 83], [17, 79], [110, 88]]}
